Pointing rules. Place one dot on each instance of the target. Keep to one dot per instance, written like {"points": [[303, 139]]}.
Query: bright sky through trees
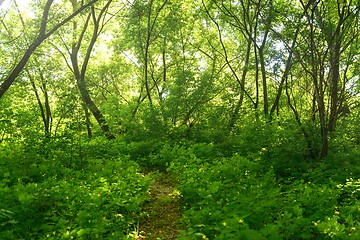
{"points": [[5, 5], [21, 3]]}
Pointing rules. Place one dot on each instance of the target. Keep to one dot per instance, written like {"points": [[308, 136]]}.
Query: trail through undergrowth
{"points": [[163, 214]]}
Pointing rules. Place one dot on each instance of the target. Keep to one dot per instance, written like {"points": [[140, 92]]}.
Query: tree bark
{"points": [[309, 144], [42, 35], [235, 114], [79, 72], [335, 78], [285, 74]]}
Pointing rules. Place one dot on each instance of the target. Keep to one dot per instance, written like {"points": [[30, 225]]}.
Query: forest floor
{"points": [[163, 210]]}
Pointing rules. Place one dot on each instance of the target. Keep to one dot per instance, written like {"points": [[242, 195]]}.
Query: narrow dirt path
{"points": [[162, 222]]}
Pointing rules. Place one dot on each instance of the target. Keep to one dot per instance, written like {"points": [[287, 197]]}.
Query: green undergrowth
{"points": [[94, 189], [83, 190], [236, 197]]}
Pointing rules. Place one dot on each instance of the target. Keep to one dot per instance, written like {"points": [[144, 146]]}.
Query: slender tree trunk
{"points": [[87, 120], [285, 74], [319, 93], [93, 108], [264, 82], [235, 114], [42, 109], [146, 54], [43, 35], [257, 88], [226, 57], [309, 143], [48, 115], [45, 110], [335, 78], [79, 72]]}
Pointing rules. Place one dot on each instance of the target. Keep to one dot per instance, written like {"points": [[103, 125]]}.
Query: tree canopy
{"points": [[273, 81], [186, 62]]}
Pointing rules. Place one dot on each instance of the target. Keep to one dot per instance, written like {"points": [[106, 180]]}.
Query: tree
{"points": [[43, 34], [45, 109], [97, 21], [323, 53]]}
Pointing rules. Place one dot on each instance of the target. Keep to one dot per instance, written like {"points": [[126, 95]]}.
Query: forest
{"points": [[179, 119]]}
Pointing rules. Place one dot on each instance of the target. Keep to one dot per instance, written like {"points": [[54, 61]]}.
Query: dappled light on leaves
{"points": [[169, 119]]}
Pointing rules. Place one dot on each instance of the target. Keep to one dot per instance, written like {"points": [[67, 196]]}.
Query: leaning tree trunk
{"points": [[42, 36], [85, 96], [79, 72]]}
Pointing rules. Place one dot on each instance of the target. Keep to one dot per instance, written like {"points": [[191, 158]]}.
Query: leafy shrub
{"points": [[227, 198], [101, 200]]}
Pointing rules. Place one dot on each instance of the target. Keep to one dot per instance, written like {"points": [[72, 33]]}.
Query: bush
{"points": [[234, 197], [101, 200]]}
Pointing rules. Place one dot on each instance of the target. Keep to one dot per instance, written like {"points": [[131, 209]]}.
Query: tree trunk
{"points": [[79, 72], [93, 108], [43, 35], [309, 144], [285, 74], [264, 82], [87, 121], [42, 109], [335, 77], [235, 114], [146, 54]]}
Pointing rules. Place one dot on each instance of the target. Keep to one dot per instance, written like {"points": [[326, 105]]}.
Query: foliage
{"points": [[41, 198], [234, 196], [251, 105]]}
